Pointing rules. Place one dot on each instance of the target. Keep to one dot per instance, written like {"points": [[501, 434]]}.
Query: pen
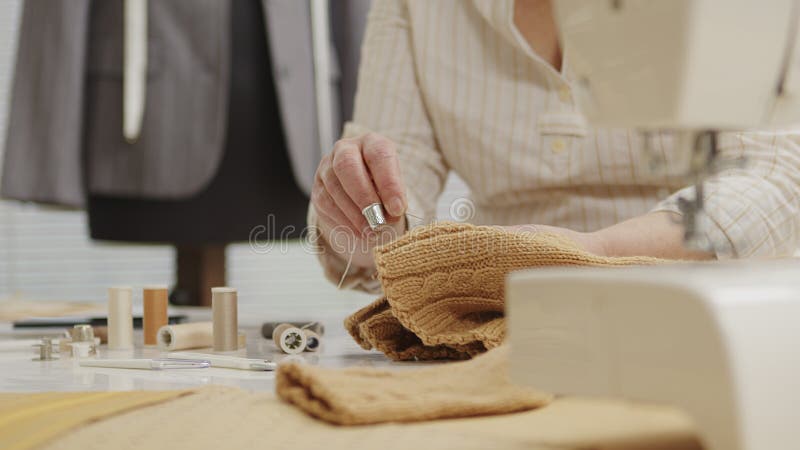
{"points": [[230, 362], [147, 364]]}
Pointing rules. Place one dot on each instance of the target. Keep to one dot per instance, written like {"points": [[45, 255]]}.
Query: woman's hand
{"points": [[358, 172]]}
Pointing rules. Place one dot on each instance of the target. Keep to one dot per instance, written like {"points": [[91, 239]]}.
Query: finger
{"points": [[327, 209], [346, 205], [349, 167], [380, 156]]}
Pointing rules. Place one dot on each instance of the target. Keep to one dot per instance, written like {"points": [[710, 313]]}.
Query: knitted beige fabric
{"points": [[360, 396], [219, 417], [443, 287]]}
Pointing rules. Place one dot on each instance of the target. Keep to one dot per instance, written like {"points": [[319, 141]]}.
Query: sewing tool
{"points": [[229, 362], [226, 327], [374, 215], [154, 299], [83, 342], [268, 327], [289, 339], [313, 341], [147, 364], [45, 350], [82, 333], [375, 219], [120, 318], [187, 335]]}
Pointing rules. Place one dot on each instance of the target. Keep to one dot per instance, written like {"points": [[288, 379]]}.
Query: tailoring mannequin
{"points": [[229, 139], [254, 178]]}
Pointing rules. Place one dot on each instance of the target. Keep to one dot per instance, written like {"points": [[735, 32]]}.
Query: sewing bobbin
{"points": [[312, 340], [83, 343], [289, 339], [46, 350]]}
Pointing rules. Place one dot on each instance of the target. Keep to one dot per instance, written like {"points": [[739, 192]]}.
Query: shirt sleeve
{"points": [[389, 102], [752, 210]]}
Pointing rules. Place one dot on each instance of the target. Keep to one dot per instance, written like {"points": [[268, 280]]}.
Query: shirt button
{"points": [[564, 94], [559, 145]]}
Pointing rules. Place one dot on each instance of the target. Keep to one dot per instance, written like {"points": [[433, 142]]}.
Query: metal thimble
{"points": [[82, 333], [374, 215]]}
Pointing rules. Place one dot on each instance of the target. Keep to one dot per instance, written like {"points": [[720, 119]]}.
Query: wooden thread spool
{"points": [[289, 339], [120, 318], [226, 319], [154, 302]]}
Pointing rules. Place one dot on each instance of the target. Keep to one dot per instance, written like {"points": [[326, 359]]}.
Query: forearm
{"points": [[657, 234]]}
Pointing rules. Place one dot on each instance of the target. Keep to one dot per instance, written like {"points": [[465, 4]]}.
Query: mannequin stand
{"points": [[199, 268]]}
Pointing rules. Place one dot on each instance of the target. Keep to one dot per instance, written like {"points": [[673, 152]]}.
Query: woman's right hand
{"points": [[358, 172]]}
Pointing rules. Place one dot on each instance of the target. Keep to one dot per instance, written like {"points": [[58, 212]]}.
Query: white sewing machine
{"points": [[721, 341]]}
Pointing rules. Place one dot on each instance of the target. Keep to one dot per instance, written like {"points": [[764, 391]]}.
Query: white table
{"points": [[18, 373]]}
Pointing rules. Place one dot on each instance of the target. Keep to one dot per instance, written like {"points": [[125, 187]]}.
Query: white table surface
{"points": [[19, 373]]}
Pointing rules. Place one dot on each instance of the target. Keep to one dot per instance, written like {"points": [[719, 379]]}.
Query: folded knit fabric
{"points": [[443, 288], [359, 396]]}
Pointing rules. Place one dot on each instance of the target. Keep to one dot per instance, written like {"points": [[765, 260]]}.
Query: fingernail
{"points": [[395, 206]]}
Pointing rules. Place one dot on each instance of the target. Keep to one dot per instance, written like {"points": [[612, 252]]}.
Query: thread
{"points": [[185, 336], [312, 341], [154, 300], [225, 315], [291, 340], [276, 332], [268, 327], [120, 318]]}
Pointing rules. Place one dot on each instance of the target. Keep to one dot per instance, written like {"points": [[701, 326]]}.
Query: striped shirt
{"points": [[456, 87]]}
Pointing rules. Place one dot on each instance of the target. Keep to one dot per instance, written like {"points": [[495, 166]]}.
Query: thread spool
{"points": [[268, 328], [82, 333], [191, 335], [291, 340], [276, 332], [154, 301], [225, 315], [120, 318], [185, 336], [312, 341]]}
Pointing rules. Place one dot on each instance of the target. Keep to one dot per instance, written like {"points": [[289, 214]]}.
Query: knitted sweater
{"points": [[443, 288]]}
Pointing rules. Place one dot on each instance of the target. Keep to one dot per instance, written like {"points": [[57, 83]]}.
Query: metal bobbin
{"points": [[374, 215], [83, 344], [82, 333]]}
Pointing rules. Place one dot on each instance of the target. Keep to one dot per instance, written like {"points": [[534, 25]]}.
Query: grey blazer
{"points": [[63, 55]]}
